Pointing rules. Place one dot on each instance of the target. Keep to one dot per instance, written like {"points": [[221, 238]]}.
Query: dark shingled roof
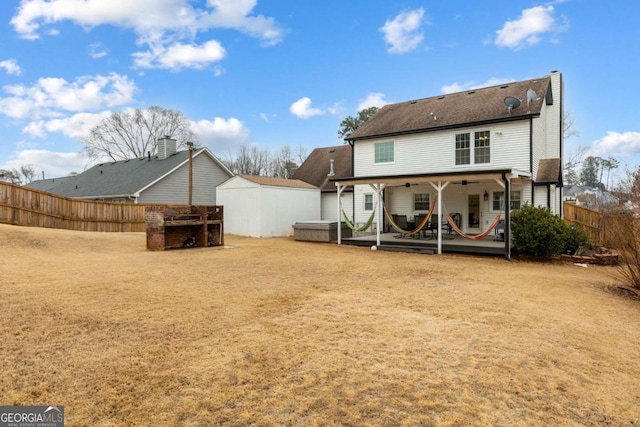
{"points": [[549, 171], [456, 110], [315, 169], [122, 178]]}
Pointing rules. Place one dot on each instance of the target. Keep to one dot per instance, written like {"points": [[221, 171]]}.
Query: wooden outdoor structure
{"points": [[174, 227], [25, 206], [600, 228]]}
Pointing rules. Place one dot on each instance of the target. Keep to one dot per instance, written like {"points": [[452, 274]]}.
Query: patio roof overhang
{"points": [[488, 175], [439, 181]]}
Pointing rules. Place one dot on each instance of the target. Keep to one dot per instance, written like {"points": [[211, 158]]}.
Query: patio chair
{"points": [[499, 232], [418, 220], [457, 219], [401, 222]]}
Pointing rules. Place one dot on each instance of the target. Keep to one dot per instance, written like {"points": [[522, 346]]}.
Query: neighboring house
{"points": [[154, 179], [480, 153], [318, 168], [259, 206]]}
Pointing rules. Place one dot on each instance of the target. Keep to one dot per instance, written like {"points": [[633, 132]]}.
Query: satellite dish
{"points": [[512, 103], [531, 95]]}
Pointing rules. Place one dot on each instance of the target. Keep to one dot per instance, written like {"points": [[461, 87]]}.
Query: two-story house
{"points": [[480, 153]]}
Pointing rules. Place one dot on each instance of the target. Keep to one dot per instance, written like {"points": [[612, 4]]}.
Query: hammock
{"points": [[363, 227], [485, 233], [414, 231]]}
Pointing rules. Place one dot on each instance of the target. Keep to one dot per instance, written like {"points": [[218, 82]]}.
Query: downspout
{"points": [[561, 136], [353, 195], [533, 187], [507, 216], [549, 196]]}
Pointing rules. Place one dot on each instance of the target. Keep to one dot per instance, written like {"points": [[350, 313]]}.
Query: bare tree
{"points": [[250, 161], [132, 133], [254, 161], [283, 163], [28, 171], [568, 126], [10, 175]]}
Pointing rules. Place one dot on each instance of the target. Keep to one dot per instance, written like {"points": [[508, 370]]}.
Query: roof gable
{"points": [[316, 167], [456, 110], [119, 179]]}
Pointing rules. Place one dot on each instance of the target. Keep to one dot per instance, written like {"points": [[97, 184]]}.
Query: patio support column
{"points": [[340, 189], [439, 187], [378, 188], [507, 217]]}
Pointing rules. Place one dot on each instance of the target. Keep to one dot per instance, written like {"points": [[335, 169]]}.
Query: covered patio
{"points": [[466, 239], [453, 243]]}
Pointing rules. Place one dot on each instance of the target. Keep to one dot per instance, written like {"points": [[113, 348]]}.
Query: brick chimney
{"points": [[166, 147]]}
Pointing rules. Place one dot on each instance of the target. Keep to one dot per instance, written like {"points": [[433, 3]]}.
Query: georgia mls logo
{"points": [[31, 416]]}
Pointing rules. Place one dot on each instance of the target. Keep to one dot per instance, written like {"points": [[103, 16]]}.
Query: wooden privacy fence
{"points": [[25, 206], [600, 228]]}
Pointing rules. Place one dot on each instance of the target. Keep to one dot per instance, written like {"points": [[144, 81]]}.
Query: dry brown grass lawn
{"points": [[275, 332]]}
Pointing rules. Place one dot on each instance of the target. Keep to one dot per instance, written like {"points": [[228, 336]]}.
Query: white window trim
{"points": [[364, 202], [393, 141], [472, 154], [502, 191], [414, 201]]}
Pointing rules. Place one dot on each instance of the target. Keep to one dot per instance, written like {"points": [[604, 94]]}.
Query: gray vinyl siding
{"points": [[174, 188]]}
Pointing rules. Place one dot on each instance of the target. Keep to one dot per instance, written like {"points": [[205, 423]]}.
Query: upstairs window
{"points": [[384, 152], [463, 149], [482, 147], [481, 152]]}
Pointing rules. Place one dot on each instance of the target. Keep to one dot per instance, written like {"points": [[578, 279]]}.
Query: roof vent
{"points": [[471, 92], [441, 97], [504, 86]]}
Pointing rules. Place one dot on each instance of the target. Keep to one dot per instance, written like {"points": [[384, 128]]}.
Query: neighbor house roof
{"points": [[317, 167], [119, 179], [277, 182], [475, 106]]}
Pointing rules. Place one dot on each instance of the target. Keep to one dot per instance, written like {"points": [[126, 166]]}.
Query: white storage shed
{"points": [[258, 206]]}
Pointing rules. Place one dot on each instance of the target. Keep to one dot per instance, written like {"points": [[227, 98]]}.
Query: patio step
{"points": [[407, 249]]}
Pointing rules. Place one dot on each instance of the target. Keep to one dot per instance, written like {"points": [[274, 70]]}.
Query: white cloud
{"points": [[459, 87], [615, 144], [178, 56], [302, 108], [220, 133], [11, 67], [402, 32], [528, 28], [53, 164], [167, 20], [75, 126], [374, 99], [97, 50], [50, 96]]}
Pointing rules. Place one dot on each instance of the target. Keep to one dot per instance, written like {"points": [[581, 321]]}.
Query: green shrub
{"points": [[536, 231], [576, 237]]}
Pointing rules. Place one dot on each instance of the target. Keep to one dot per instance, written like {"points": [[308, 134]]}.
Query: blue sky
{"points": [[270, 73]]}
